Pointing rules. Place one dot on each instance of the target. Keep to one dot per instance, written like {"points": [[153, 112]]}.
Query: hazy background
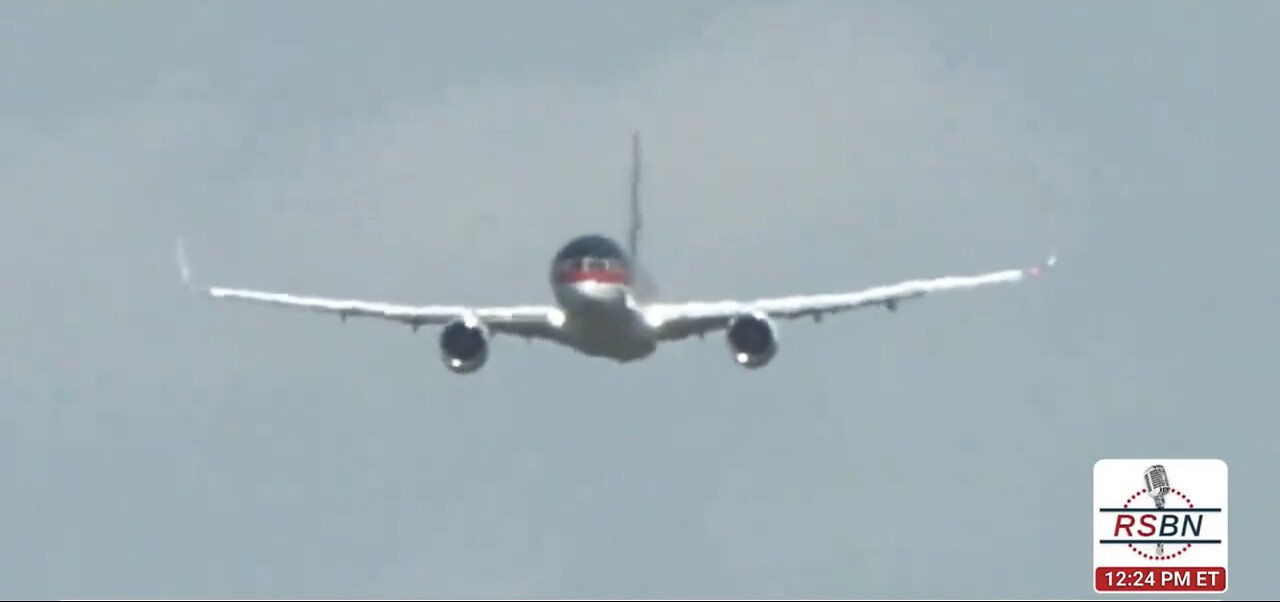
{"points": [[157, 444]]}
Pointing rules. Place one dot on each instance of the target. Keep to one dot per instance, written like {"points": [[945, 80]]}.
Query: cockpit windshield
{"points": [[590, 264], [591, 257]]}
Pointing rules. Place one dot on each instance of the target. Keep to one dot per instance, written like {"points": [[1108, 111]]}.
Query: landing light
{"points": [[653, 319]]}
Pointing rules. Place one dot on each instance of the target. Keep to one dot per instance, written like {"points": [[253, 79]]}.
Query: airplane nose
{"points": [[601, 291]]}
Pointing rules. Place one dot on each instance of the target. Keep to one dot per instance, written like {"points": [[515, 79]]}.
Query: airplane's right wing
{"points": [[529, 321], [526, 321]]}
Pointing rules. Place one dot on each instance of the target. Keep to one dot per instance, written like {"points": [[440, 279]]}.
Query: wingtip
{"points": [[1048, 264], [184, 268]]}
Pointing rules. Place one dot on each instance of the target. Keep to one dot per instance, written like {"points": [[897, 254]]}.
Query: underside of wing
{"points": [[463, 340], [751, 331], [528, 320]]}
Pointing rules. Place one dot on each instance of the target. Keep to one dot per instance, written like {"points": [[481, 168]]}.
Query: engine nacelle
{"points": [[753, 339], [464, 346]]}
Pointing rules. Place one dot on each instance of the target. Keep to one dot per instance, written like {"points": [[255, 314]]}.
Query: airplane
{"points": [[606, 305]]}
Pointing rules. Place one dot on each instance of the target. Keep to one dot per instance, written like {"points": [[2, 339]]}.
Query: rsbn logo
{"points": [[1160, 525]]}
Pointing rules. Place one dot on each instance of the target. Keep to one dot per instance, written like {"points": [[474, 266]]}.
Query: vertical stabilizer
{"points": [[643, 284], [633, 230]]}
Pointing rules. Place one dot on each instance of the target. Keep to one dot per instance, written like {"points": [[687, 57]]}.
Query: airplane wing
{"points": [[675, 321], [527, 321]]}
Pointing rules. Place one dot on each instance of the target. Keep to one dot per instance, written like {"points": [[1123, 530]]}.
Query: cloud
{"points": [[788, 149], [843, 130]]}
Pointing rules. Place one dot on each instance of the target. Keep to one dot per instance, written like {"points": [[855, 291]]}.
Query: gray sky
{"points": [[155, 444]]}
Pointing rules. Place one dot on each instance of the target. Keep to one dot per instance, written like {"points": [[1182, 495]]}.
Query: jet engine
{"points": [[464, 346], [752, 339]]}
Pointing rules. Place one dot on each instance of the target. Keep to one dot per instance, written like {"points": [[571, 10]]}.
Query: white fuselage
{"points": [[603, 319]]}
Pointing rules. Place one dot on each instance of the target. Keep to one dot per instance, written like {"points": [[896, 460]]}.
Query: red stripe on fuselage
{"points": [[605, 276]]}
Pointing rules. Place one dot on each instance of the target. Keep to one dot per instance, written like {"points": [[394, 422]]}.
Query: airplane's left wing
{"points": [[528, 321], [674, 321]]}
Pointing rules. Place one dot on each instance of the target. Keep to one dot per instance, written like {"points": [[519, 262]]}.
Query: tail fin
{"points": [[633, 232], [184, 268], [645, 287]]}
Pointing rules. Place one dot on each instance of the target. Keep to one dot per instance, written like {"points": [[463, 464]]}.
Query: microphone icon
{"points": [[1157, 487]]}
